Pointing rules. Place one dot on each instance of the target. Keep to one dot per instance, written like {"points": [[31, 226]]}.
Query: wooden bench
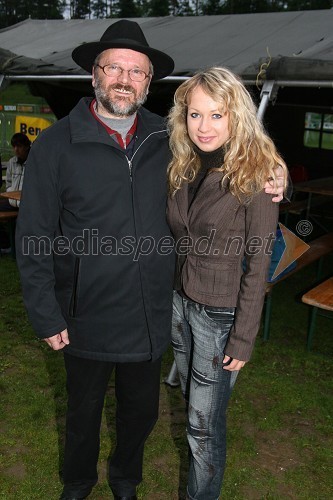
{"points": [[10, 216], [319, 297], [319, 248]]}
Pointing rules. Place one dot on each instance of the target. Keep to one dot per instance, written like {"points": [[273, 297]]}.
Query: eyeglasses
{"points": [[135, 74]]}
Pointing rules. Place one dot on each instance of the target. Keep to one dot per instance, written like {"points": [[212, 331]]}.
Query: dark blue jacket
{"points": [[93, 246]]}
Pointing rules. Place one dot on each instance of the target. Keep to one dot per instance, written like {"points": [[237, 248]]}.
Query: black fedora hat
{"points": [[123, 35]]}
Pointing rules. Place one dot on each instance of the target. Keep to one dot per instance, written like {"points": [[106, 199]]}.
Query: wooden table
{"points": [[12, 195], [317, 186], [322, 187], [320, 297]]}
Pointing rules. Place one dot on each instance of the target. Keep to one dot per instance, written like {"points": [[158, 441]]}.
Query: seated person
{"points": [[16, 165], [14, 180]]}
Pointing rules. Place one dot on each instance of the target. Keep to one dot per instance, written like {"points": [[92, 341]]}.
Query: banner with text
{"points": [[31, 125]]}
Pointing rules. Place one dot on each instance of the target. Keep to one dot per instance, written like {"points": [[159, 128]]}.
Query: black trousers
{"points": [[137, 388]]}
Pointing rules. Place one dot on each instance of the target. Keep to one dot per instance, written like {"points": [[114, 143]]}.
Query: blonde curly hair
{"points": [[249, 154]]}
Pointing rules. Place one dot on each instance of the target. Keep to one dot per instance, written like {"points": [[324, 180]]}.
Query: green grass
{"points": [[280, 437]]}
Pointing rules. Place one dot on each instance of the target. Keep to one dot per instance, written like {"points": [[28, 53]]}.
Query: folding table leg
{"points": [[311, 329], [12, 226]]}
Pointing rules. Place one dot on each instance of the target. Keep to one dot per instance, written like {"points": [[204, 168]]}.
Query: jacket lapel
{"points": [[210, 185]]}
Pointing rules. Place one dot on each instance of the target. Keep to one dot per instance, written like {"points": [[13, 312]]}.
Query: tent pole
{"points": [[268, 93], [3, 82]]}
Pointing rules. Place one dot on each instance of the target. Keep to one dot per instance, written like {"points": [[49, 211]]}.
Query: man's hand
{"points": [[233, 364], [58, 341], [270, 187]]}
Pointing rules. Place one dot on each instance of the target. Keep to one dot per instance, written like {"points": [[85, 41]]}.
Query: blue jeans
{"points": [[199, 336]]}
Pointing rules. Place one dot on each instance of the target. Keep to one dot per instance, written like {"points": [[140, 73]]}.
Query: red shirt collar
{"points": [[112, 132]]}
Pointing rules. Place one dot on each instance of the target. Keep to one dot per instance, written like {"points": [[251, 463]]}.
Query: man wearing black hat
{"points": [[97, 281]]}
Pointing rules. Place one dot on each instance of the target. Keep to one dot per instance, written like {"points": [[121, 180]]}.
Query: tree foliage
{"points": [[79, 9], [99, 9], [14, 11], [255, 6], [155, 8]]}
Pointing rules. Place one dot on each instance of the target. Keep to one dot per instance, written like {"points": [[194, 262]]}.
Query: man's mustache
{"points": [[127, 88]]}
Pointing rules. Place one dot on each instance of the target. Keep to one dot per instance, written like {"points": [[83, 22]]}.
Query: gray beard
{"points": [[113, 107]]}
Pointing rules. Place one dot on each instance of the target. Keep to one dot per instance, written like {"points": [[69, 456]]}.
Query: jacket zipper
{"points": [[129, 166], [74, 298], [130, 161]]}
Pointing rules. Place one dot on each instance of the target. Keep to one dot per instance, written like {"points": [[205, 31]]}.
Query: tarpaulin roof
{"points": [[287, 45]]}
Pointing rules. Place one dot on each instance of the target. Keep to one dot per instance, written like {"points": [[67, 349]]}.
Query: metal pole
{"points": [[268, 93], [172, 378]]}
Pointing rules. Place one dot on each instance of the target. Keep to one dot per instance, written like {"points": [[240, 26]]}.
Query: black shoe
{"points": [[64, 497], [116, 497], [75, 494], [72, 498]]}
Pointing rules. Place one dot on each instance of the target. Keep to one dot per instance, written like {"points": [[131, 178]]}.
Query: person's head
{"points": [[121, 79], [214, 110], [221, 97], [122, 65], [21, 145]]}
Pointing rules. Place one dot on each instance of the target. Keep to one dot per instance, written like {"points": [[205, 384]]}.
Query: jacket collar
{"points": [[85, 128], [211, 181]]}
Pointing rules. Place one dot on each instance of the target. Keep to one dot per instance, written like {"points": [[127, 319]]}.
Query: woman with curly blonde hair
{"points": [[224, 226]]}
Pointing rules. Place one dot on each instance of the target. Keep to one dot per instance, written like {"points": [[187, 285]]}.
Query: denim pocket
{"points": [[223, 315]]}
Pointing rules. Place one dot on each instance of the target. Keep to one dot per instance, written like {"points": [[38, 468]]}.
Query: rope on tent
{"points": [[262, 71]]}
